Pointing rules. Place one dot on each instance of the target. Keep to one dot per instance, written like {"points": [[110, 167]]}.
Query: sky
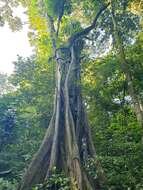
{"points": [[13, 44]]}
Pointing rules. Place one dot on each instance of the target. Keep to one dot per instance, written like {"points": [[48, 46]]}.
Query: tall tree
{"points": [[68, 130], [138, 109]]}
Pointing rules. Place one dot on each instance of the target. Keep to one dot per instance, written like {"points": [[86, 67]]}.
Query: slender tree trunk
{"points": [[125, 68]]}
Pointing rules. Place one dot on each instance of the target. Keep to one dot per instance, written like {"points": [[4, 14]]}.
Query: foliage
{"points": [[7, 185], [115, 130], [7, 16], [24, 115], [5, 86], [56, 181]]}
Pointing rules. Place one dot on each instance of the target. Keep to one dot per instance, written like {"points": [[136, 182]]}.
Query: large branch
{"points": [[86, 31]]}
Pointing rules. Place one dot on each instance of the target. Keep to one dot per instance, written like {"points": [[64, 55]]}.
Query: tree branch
{"points": [[85, 31]]}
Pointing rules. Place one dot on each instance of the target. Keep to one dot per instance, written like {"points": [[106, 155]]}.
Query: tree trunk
{"points": [[125, 68], [68, 130]]}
